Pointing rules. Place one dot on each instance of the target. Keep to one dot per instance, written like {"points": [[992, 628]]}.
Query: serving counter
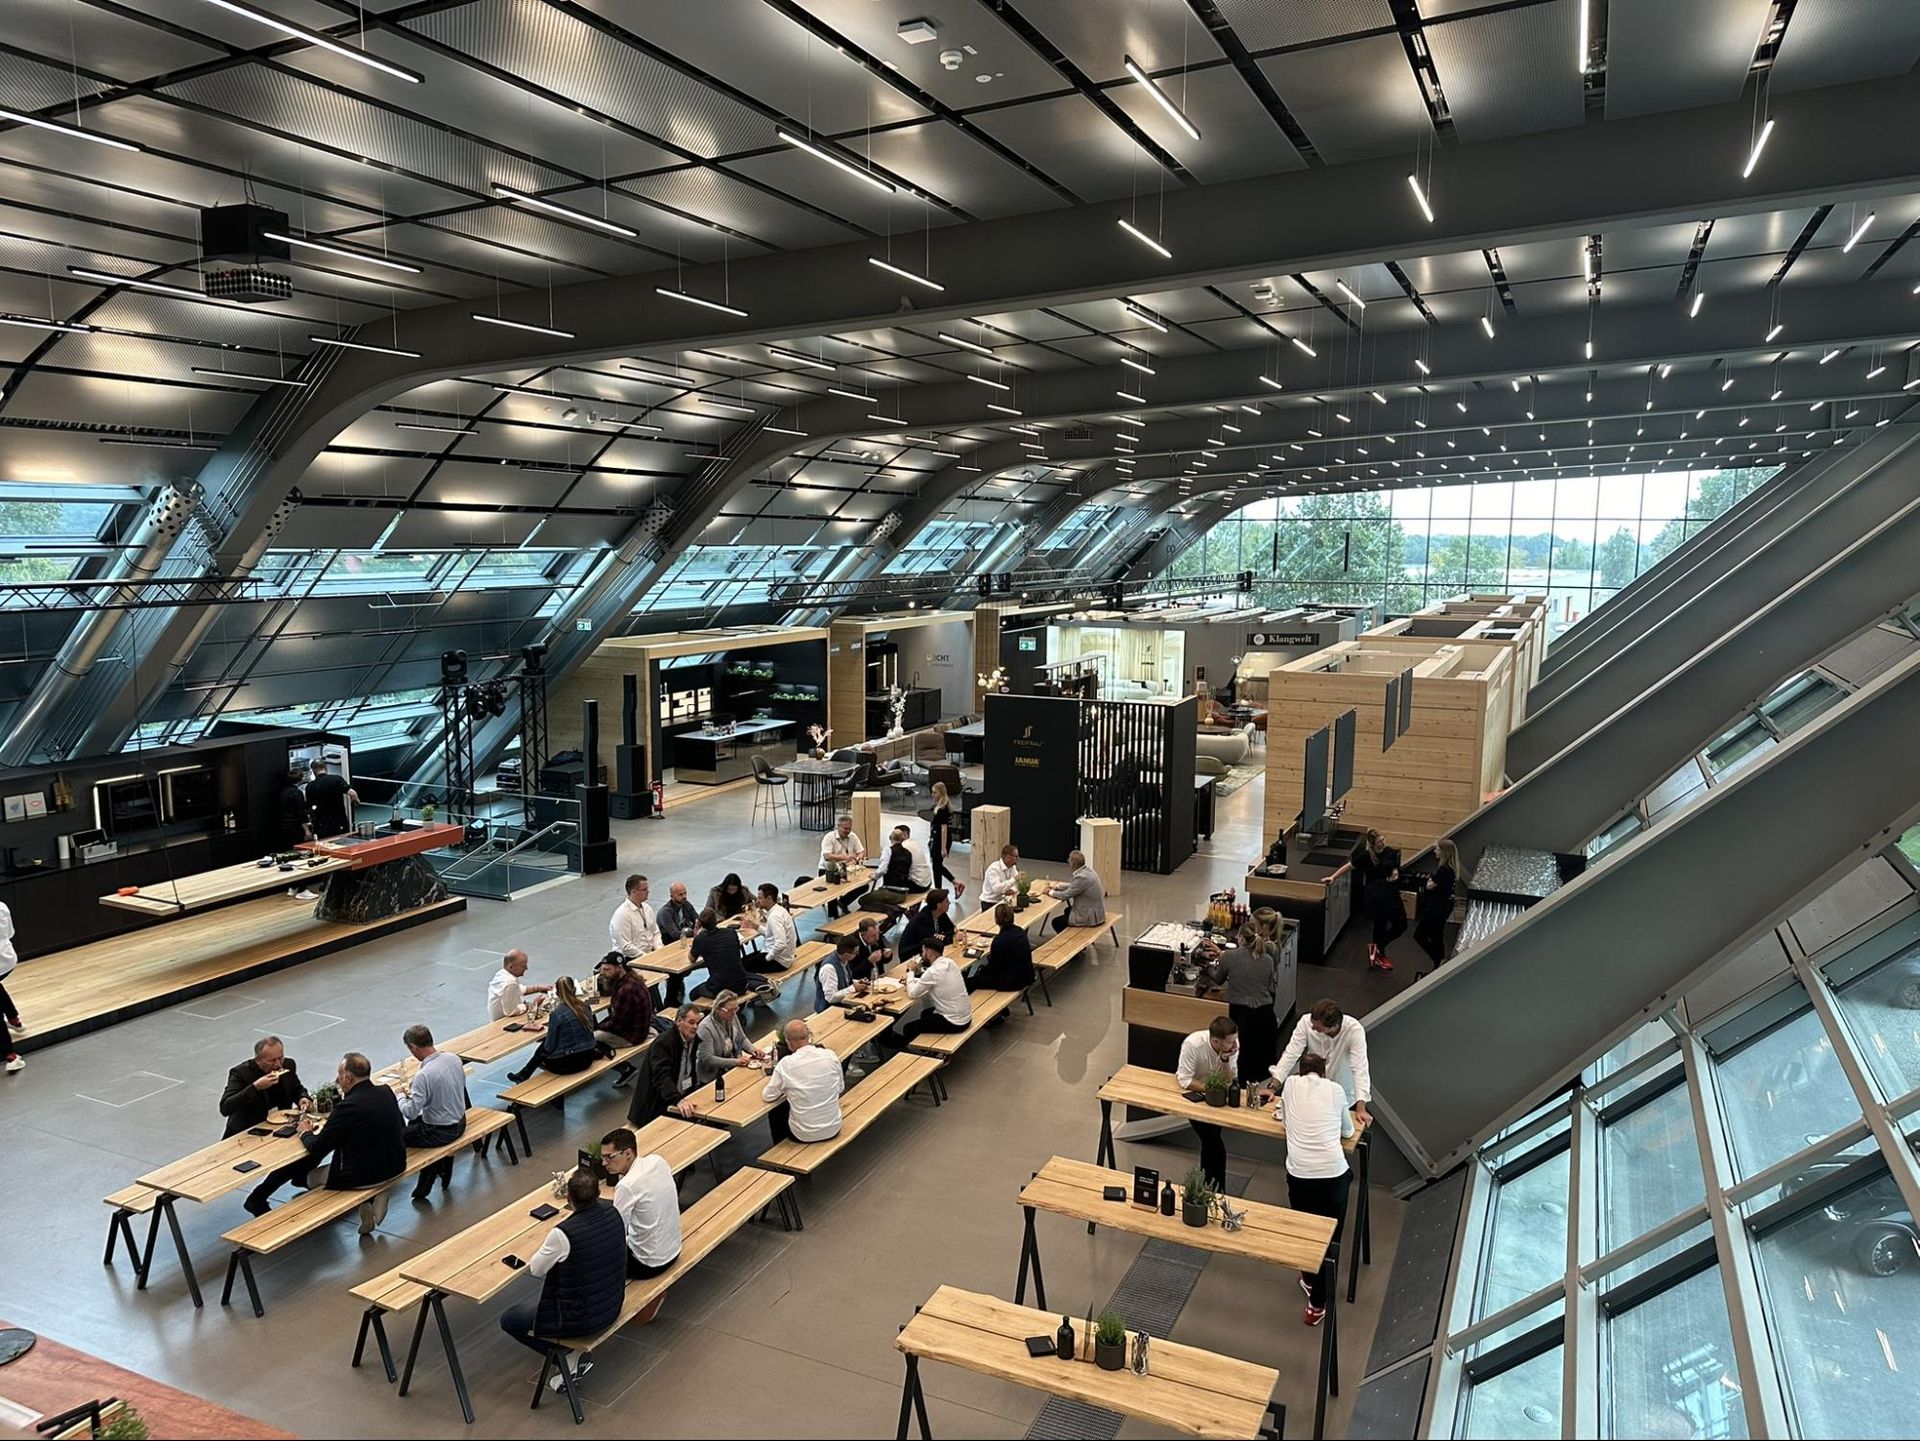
{"points": [[711, 758]]}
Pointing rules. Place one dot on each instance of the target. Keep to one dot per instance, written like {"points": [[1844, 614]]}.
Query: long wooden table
{"points": [[1159, 1091], [1194, 1392], [1274, 1235], [216, 887], [471, 1264], [744, 1105], [821, 892], [1042, 907]]}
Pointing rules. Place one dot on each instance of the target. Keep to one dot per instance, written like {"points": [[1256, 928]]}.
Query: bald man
{"points": [[506, 993], [807, 1081]]}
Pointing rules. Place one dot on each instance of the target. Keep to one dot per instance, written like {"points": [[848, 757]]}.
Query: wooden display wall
{"points": [[1436, 775]]}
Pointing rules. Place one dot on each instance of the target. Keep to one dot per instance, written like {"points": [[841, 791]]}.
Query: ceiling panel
{"points": [[332, 527], [829, 188], [754, 49], [1769, 234], [1663, 56], [438, 244], [946, 161], [1634, 247], [1027, 324], [1097, 37], [521, 230], [467, 483], [1832, 44], [454, 530], [739, 206], [111, 44], [1240, 137], [236, 31], [1355, 99], [580, 532], [1012, 70], [1072, 141], [1511, 72], [1265, 24]]}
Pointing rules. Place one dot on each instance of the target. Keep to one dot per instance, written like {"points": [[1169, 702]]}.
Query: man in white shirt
{"points": [[1002, 880], [939, 980], [842, 845], [1341, 1042], [633, 930], [780, 937], [920, 864], [648, 1202], [1314, 1111], [809, 1080], [506, 992], [1217, 1047]]}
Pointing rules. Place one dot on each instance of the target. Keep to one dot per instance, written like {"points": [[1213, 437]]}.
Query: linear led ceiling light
{"points": [[691, 299], [1831, 354], [362, 345], [1302, 346], [1423, 367], [1165, 101], [70, 130], [655, 377], [1270, 381], [1347, 290], [501, 320], [1759, 144], [1413, 181], [1145, 239], [1003, 409], [1699, 299], [1858, 231], [1129, 395], [726, 405], [849, 394], [1152, 322], [565, 212], [327, 248], [314, 37], [964, 344], [28, 322], [151, 443], [1486, 324], [1139, 365], [893, 269], [794, 357], [877, 182], [436, 429], [241, 375], [990, 384]]}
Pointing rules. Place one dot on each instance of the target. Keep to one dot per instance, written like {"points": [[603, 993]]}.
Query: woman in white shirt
{"points": [[1314, 1111]]}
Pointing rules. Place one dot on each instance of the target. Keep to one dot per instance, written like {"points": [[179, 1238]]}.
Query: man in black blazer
{"points": [[365, 1136], [255, 1088], [667, 1074]]}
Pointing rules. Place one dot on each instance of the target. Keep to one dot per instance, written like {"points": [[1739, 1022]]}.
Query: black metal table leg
{"points": [[913, 1402], [1328, 1383], [1105, 1155], [1277, 1424], [436, 1300], [372, 1320], [180, 1248], [520, 1119], [241, 1266], [1362, 1217], [143, 1259], [413, 1346], [1030, 1258]]}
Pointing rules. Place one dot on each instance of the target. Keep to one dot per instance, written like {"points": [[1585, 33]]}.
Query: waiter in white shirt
{"points": [[809, 1080], [940, 982], [1340, 1041], [843, 845], [1314, 1111], [648, 1201], [1216, 1048], [507, 993], [1002, 880]]}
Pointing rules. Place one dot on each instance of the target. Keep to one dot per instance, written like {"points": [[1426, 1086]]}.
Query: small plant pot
{"points": [[1110, 1358], [1193, 1215], [1216, 1098]]}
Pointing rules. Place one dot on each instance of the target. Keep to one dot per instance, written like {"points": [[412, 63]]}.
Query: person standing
{"points": [[807, 1082], [1217, 1047], [364, 1136], [583, 1270], [259, 1087], [1340, 1041], [648, 1201], [293, 826], [9, 958], [434, 1108], [940, 840], [330, 802], [1376, 876], [1085, 895], [1314, 1111], [1247, 969], [1433, 902]]}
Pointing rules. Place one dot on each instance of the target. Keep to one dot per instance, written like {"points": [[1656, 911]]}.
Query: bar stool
{"points": [[769, 793]]}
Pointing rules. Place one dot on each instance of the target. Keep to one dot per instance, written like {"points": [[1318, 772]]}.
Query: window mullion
{"points": [[1579, 1356]]}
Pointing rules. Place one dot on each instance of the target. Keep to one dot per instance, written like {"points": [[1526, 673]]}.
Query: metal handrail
{"points": [[491, 858]]}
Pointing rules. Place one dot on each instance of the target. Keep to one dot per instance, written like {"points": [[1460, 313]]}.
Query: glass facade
{"points": [[1575, 539]]}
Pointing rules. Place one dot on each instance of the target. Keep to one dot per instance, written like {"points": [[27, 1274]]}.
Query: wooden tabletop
{"points": [[1194, 1392], [208, 1173], [1043, 907], [1274, 1234], [673, 959], [385, 845], [494, 1042], [1159, 1091], [212, 888], [745, 1105], [819, 892]]}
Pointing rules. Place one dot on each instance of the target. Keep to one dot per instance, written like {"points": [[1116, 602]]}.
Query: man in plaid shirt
{"points": [[630, 1018]]}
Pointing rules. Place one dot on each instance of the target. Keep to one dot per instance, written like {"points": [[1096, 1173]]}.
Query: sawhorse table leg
{"points": [[435, 1303], [372, 1320], [913, 1400], [1030, 1257], [1329, 1380], [145, 1262]]}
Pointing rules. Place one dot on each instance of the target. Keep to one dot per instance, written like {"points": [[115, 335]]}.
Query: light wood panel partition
{"points": [[1514, 634], [847, 668], [1100, 839], [866, 825], [1437, 774], [990, 827]]}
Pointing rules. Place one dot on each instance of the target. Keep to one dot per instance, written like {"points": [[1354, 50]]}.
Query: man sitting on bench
{"points": [[807, 1081], [834, 979], [583, 1268], [434, 1108], [841, 845], [1085, 896], [364, 1135], [630, 1018], [938, 979], [648, 1201], [871, 955], [908, 870], [1009, 962], [930, 920]]}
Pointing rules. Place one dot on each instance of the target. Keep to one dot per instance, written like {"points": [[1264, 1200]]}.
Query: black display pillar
{"points": [[1033, 770], [597, 850], [632, 795]]}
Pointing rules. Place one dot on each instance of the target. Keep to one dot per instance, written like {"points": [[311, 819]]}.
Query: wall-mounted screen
{"points": [[190, 794], [1406, 701], [1344, 732], [1313, 784], [1390, 717]]}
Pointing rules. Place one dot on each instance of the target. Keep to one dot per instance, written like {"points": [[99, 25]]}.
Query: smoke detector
{"points": [[918, 32], [952, 59]]}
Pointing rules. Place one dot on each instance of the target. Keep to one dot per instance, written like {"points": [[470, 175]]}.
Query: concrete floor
{"points": [[774, 1334]]}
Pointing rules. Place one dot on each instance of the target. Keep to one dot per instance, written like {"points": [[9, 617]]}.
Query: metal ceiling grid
{"points": [[459, 530], [1833, 44], [945, 160], [1508, 72], [1241, 138], [1269, 24], [740, 206], [1069, 138], [538, 237], [988, 47], [107, 43], [487, 486], [832, 191], [1663, 56], [1097, 38], [1355, 99]]}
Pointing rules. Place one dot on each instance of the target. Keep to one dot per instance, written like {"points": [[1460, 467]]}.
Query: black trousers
{"points": [[8, 1010], [1389, 918], [941, 873], [639, 1270], [294, 1171], [1213, 1153], [1259, 1040], [1325, 1196], [762, 965], [1430, 932], [560, 1065], [420, 1136], [930, 1021]]}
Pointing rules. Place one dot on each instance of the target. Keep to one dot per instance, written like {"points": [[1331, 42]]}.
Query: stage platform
{"points": [[72, 992]]}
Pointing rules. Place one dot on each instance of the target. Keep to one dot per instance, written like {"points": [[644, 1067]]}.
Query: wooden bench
{"points": [[703, 1226], [311, 1210], [987, 1006], [547, 1087], [128, 1202], [859, 1108], [838, 926], [1053, 954]]}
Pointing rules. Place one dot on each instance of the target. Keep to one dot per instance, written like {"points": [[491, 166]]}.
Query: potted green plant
{"points": [[1196, 1198], [1216, 1083], [1024, 892], [122, 1423], [325, 1098], [426, 813], [1110, 1342]]}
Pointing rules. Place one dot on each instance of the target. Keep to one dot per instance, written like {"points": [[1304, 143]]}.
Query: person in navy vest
{"points": [[583, 1263]]}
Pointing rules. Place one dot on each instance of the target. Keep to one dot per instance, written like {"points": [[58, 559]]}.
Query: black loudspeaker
{"points": [[598, 853], [632, 796], [453, 667], [629, 711], [1005, 583], [590, 738], [239, 232], [986, 586]]}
